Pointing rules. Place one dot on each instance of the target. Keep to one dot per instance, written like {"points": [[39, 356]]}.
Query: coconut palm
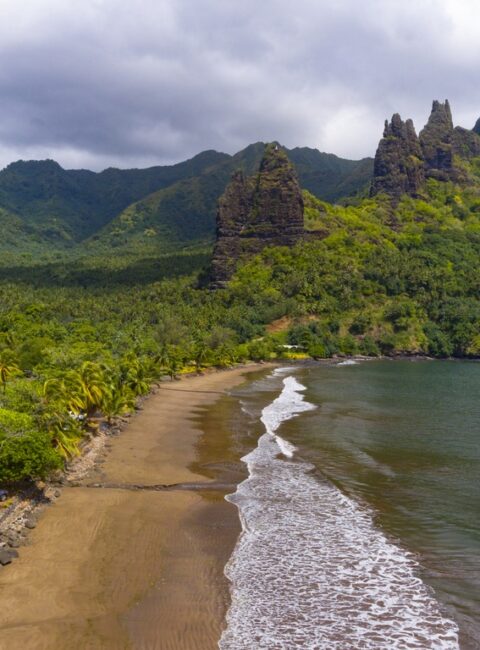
{"points": [[82, 390], [163, 357], [117, 402], [7, 369], [65, 437], [201, 353], [135, 374]]}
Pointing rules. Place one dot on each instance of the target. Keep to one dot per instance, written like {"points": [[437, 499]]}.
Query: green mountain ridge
{"points": [[184, 213], [156, 209], [388, 274], [66, 206]]}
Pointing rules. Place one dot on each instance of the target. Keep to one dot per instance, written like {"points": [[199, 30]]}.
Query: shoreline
{"points": [[139, 567], [28, 504]]}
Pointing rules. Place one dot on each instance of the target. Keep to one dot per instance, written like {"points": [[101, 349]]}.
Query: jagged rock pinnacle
{"points": [[403, 160], [398, 166], [265, 209], [436, 140]]}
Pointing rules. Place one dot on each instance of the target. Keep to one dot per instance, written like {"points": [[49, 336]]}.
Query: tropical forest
{"points": [[112, 282]]}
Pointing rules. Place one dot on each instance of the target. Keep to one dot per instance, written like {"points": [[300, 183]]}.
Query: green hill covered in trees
{"points": [[46, 211], [87, 333]]}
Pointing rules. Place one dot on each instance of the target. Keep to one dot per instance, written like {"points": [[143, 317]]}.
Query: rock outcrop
{"points": [[436, 140], [265, 209], [403, 161], [466, 143], [398, 165]]}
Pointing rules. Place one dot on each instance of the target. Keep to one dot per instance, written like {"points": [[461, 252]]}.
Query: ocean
{"points": [[360, 513]]}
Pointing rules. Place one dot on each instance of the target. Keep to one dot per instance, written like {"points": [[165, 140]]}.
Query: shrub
{"points": [[30, 456]]}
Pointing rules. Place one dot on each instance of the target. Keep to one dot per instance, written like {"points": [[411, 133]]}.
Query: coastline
{"points": [[134, 566]]}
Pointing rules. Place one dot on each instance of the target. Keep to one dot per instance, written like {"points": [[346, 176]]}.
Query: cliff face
{"points": [[436, 139], [265, 209], [403, 161], [466, 143], [398, 165]]}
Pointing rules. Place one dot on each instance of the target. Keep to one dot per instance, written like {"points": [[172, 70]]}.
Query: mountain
{"points": [[404, 161], [329, 177], [264, 209], [398, 167], [67, 206], [184, 213], [43, 205]]}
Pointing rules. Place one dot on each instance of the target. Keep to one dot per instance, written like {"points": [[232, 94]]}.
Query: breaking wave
{"points": [[310, 569]]}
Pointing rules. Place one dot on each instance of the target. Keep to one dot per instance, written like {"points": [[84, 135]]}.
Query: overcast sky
{"points": [[101, 83]]}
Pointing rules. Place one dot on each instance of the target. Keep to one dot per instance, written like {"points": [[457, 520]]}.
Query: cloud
{"points": [[109, 82]]}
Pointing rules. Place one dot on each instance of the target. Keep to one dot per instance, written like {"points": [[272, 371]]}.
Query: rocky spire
{"points": [[403, 161], [436, 140], [398, 166], [466, 143], [263, 210]]}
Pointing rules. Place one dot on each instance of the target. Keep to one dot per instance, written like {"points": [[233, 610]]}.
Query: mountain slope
{"points": [[184, 213], [66, 206], [328, 176], [155, 209]]}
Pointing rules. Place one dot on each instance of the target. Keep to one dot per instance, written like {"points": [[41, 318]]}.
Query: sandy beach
{"points": [[116, 568]]}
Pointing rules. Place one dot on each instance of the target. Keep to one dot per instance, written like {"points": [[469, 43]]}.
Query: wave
{"points": [[310, 569]]}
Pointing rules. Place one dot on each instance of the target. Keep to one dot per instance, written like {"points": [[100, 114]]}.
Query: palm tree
{"points": [[173, 367], [200, 355], [117, 402], [66, 435], [87, 387], [134, 374], [163, 357], [7, 369], [81, 390]]}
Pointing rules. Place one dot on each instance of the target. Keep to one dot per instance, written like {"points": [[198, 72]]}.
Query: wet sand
{"points": [[114, 568]]}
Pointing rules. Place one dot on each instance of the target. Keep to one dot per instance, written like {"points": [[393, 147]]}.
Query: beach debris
{"points": [[7, 555]]}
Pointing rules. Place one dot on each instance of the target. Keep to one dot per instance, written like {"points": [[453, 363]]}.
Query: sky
{"points": [[136, 83]]}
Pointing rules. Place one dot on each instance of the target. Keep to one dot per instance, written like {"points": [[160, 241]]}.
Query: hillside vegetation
{"points": [[82, 338], [46, 211]]}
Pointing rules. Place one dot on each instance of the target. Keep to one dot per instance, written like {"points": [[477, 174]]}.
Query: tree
{"points": [[117, 402], [82, 390], [7, 369], [27, 457]]}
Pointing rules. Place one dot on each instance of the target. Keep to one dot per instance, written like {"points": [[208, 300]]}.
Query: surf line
{"points": [[310, 569]]}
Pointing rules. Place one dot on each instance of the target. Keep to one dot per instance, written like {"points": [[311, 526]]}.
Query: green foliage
{"points": [[47, 211], [26, 457], [13, 423], [81, 338]]}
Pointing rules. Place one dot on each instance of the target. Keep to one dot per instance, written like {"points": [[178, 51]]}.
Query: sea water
{"points": [[337, 549]]}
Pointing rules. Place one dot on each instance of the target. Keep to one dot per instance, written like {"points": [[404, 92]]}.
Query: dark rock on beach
{"points": [[30, 522], [7, 555], [15, 543]]}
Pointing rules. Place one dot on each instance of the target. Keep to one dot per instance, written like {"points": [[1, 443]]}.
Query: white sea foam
{"points": [[282, 371], [348, 362], [310, 569]]}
